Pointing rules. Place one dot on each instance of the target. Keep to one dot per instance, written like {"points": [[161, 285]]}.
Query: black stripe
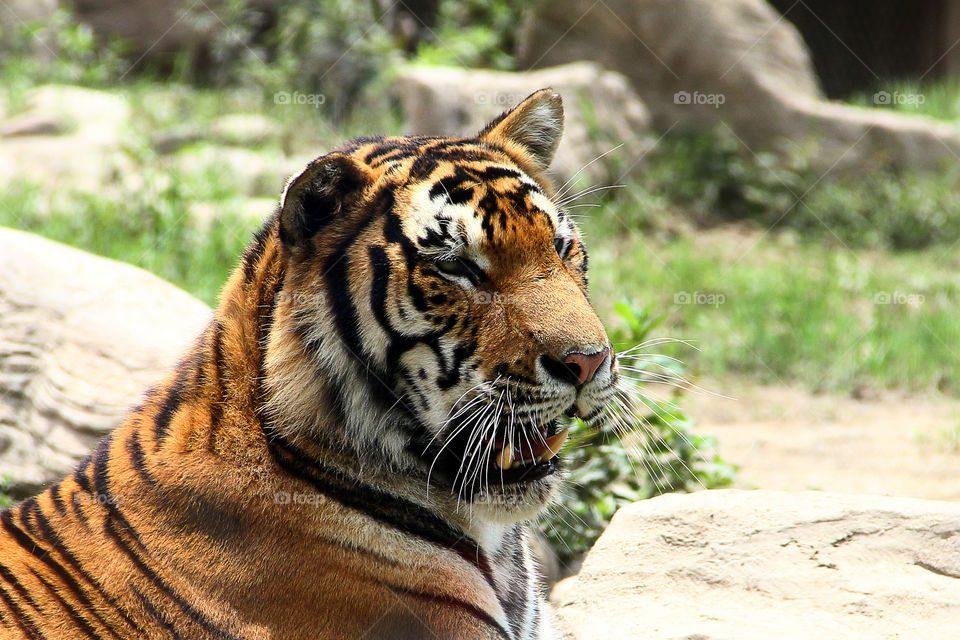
{"points": [[341, 302], [219, 399], [58, 503], [80, 473], [77, 509], [24, 511], [26, 625], [256, 248], [102, 492], [516, 598], [380, 505], [50, 536], [162, 618], [268, 301], [191, 612], [79, 620], [399, 343], [16, 533], [13, 581], [496, 173], [171, 403], [138, 459], [450, 601], [423, 167], [67, 579]]}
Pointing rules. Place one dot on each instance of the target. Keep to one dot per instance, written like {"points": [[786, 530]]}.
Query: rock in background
{"points": [[66, 137], [81, 339], [766, 564], [699, 63], [601, 111]]}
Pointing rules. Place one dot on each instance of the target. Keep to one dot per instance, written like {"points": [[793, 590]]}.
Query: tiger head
{"points": [[434, 315]]}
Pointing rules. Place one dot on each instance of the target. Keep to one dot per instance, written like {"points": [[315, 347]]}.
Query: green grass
{"points": [[779, 309], [939, 99], [149, 230]]}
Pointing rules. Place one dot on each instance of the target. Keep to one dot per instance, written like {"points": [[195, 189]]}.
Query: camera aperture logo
{"points": [[887, 98], [285, 497], [715, 100]]}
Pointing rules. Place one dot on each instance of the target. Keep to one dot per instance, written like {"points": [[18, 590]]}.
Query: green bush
{"points": [[473, 33], [649, 448]]}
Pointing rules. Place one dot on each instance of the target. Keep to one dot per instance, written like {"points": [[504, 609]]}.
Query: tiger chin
{"points": [[355, 445]]}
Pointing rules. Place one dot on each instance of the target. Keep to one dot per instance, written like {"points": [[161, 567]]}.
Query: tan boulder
{"points": [[698, 64], [767, 564], [81, 339]]}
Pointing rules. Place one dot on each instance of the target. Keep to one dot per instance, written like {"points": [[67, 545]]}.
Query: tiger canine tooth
{"points": [[505, 461], [554, 443]]}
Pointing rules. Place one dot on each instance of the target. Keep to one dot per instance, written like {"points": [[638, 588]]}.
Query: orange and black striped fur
{"points": [[354, 445]]}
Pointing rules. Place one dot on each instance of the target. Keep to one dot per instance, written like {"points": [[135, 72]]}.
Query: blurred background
{"points": [[768, 191]]}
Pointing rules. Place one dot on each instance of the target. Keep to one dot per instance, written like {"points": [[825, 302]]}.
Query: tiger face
{"points": [[434, 315]]}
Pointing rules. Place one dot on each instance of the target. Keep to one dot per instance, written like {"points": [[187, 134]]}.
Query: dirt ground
{"points": [[786, 438]]}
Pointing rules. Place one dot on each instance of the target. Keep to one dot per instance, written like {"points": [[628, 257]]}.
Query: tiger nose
{"points": [[576, 368]]}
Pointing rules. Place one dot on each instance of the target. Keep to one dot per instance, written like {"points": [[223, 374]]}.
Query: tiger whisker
{"points": [[566, 186]]}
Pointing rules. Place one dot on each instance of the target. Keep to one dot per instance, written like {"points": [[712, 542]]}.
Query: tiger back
{"points": [[355, 445]]}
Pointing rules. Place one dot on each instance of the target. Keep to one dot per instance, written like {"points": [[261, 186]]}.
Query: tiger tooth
{"points": [[554, 444], [505, 461]]}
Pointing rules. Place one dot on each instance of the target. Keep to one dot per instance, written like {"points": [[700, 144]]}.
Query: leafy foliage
{"points": [[474, 33]]}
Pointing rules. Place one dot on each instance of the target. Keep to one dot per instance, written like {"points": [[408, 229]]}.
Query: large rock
{"points": [[601, 111], [766, 564], [81, 338], [699, 63]]}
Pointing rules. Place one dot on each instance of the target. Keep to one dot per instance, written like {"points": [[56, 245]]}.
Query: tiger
{"points": [[359, 441]]}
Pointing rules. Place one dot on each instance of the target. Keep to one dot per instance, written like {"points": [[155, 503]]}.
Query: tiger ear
{"points": [[314, 198], [536, 125]]}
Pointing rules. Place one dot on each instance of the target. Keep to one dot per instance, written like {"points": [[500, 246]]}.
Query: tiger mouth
{"points": [[530, 459]]}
